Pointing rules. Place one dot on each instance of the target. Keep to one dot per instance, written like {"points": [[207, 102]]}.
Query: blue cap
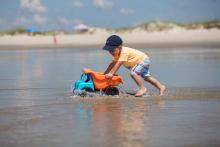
{"points": [[112, 42]]}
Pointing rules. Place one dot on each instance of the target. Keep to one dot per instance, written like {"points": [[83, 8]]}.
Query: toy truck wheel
{"points": [[112, 91], [87, 89]]}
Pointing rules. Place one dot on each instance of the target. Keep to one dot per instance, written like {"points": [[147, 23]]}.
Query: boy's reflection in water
{"points": [[123, 123]]}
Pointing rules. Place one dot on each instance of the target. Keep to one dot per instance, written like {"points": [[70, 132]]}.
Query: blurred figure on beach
{"points": [[135, 60], [54, 39]]}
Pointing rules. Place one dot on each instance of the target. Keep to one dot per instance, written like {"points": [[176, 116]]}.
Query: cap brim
{"points": [[108, 48]]}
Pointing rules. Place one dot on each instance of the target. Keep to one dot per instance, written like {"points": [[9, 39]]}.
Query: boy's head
{"points": [[113, 45]]}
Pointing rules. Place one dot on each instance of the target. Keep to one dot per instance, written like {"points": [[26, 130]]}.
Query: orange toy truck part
{"points": [[100, 81]]}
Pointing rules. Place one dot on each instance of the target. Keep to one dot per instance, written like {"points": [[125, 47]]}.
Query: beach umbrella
{"points": [[33, 30], [81, 27]]}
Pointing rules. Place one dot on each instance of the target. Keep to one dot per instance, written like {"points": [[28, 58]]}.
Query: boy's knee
{"points": [[132, 74], [147, 78]]}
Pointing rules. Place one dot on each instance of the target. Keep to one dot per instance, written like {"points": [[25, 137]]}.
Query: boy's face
{"points": [[115, 52]]}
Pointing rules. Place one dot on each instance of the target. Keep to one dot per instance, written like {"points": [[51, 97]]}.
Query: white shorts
{"points": [[142, 68]]}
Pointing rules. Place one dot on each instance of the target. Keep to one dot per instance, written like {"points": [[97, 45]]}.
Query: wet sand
{"points": [[112, 122], [171, 94]]}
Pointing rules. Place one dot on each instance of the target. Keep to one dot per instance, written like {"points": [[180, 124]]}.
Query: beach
{"points": [[48, 99], [38, 108], [176, 37]]}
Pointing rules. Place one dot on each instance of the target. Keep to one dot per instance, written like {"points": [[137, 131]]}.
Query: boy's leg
{"points": [[139, 82], [156, 83]]}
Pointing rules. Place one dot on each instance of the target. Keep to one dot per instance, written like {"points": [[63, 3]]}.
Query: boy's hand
{"points": [[109, 75]]}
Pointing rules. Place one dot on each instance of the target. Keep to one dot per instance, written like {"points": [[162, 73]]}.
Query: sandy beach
{"points": [[176, 37]]}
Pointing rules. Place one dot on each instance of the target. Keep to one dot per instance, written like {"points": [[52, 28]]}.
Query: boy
{"points": [[137, 61]]}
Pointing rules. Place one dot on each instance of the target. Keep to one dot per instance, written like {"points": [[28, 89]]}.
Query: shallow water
{"points": [[36, 107]]}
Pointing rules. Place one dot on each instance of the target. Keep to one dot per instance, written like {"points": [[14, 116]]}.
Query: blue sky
{"points": [[65, 14]]}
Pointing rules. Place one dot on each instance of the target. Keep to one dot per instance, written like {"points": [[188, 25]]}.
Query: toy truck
{"points": [[92, 81]]}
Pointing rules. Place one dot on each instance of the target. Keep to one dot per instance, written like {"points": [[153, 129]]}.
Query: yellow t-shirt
{"points": [[130, 57]]}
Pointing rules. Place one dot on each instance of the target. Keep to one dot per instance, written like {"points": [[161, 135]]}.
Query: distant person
{"points": [[54, 39], [137, 61]]}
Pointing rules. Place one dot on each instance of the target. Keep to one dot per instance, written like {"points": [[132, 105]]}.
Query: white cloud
{"points": [[66, 21], [39, 19], [105, 4], [78, 3], [22, 20], [33, 5], [127, 11]]}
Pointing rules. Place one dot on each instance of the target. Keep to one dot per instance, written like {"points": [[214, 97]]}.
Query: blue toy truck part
{"points": [[85, 82]]}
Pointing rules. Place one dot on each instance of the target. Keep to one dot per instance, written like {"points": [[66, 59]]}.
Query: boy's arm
{"points": [[114, 69], [111, 65]]}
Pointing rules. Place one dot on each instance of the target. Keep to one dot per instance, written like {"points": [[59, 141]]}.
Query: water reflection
{"points": [[118, 122], [148, 123]]}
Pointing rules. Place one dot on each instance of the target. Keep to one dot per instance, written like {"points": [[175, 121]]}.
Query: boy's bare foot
{"points": [[141, 92], [162, 90]]}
